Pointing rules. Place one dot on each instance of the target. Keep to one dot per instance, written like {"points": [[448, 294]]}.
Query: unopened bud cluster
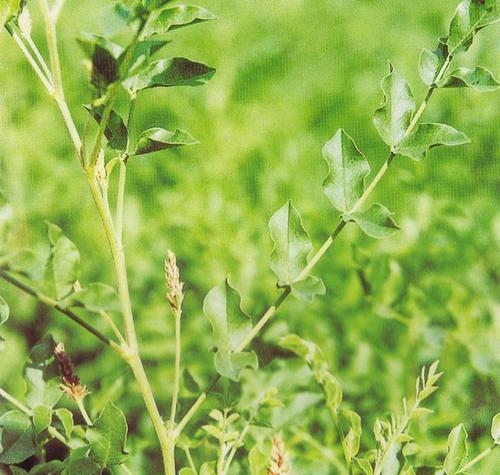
{"points": [[70, 380], [175, 295]]}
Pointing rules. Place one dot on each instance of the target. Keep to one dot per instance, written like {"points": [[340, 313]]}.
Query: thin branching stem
{"points": [[177, 372], [270, 312], [5, 275], [84, 413], [478, 458]]}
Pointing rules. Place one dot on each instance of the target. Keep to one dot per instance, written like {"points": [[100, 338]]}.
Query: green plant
{"points": [[131, 68]]}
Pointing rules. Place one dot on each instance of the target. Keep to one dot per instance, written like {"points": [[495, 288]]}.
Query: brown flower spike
{"points": [[70, 381], [175, 296], [278, 465]]}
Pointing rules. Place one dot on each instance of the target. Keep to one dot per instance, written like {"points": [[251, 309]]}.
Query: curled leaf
{"points": [[478, 78], [376, 221], [427, 136], [116, 132], [155, 139]]}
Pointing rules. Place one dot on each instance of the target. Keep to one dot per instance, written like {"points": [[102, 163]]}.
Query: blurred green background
{"points": [[289, 74]]}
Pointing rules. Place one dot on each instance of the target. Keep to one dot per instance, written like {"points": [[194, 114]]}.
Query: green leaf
{"points": [[82, 466], [189, 382], [258, 461], [230, 325], [95, 297], [347, 170], [156, 139], [62, 267], [170, 73], [364, 465], [42, 375], [350, 422], [4, 311], [208, 468], [143, 51], [457, 450], [66, 418], [308, 288], [376, 221], [108, 436], [9, 9], [292, 244], [104, 56], [170, 18], [314, 357], [495, 428], [394, 116], [470, 17], [187, 471], [430, 62], [426, 136], [478, 78], [17, 437], [116, 132], [50, 468], [42, 418]]}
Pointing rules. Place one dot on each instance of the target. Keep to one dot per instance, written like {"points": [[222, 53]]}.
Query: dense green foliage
{"points": [[290, 74]]}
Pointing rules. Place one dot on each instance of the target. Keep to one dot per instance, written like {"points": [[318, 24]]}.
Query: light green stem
{"points": [[177, 371], [84, 412], [478, 458]]}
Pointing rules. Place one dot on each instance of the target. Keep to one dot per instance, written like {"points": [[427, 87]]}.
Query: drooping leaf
{"points": [[17, 437], [108, 436], [42, 376], [430, 62], [169, 18], [426, 136], [291, 241], [457, 450], [62, 267], [230, 325], [495, 428], [350, 422], [189, 382], [470, 17], [116, 131], [347, 170], [208, 468], [104, 55], [8, 10], [376, 221], [155, 139], [4, 310], [478, 78], [169, 73], [316, 360], [95, 297], [393, 117], [42, 418]]}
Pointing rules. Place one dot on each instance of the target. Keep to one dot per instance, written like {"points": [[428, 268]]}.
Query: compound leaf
{"points": [[347, 170], [426, 136], [393, 117]]}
